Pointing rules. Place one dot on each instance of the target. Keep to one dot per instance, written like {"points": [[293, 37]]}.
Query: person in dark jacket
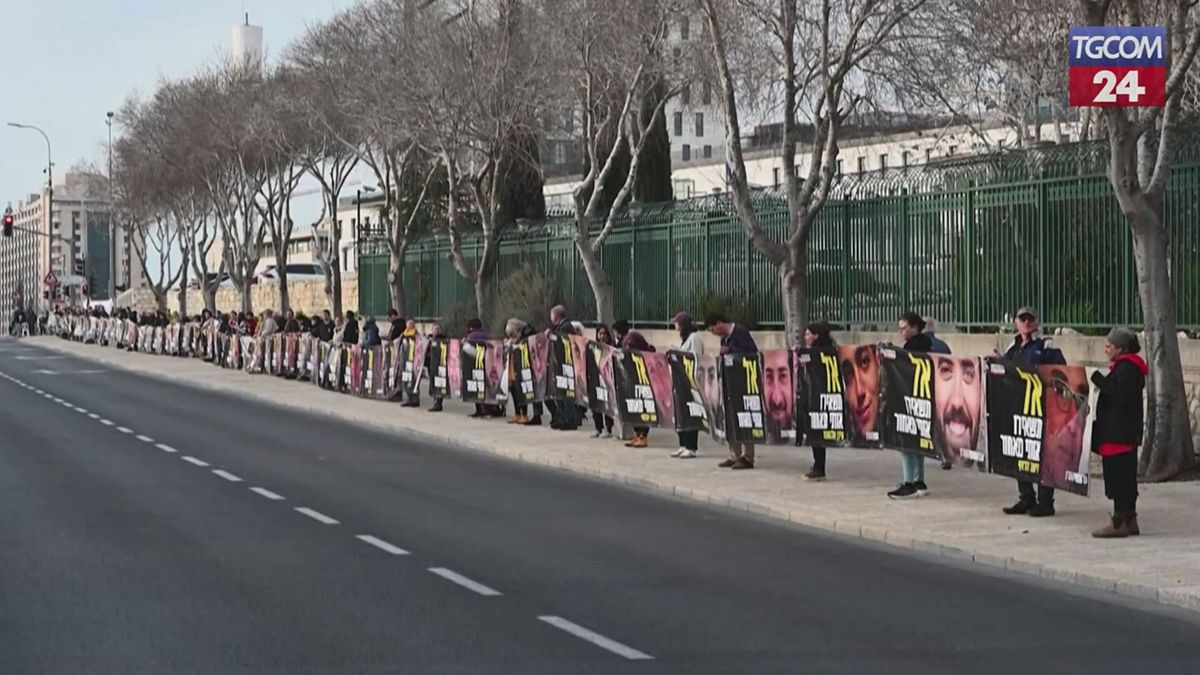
{"points": [[516, 332], [1028, 351], [735, 339], [370, 333], [564, 415], [818, 335], [290, 323], [476, 339], [1117, 432], [397, 326], [317, 329], [636, 342], [912, 485], [350, 334]]}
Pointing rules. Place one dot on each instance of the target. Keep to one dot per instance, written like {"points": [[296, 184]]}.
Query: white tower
{"points": [[248, 45]]}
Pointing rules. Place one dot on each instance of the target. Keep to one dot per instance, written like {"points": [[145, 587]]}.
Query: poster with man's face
{"points": [[454, 366], [958, 408], [660, 383], [579, 346], [1064, 463], [539, 353], [779, 396], [860, 375], [496, 377], [709, 379]]}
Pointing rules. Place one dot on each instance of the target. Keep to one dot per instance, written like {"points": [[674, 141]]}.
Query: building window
{"points": [[687, 152], [862, 164], [708, 152], [699, 124], [678, 124], [904, 158], [684, 28], [775, 177], [706, 94], [883, 162], [928, 154], [951, 150], [685, 97], [839, 167]]}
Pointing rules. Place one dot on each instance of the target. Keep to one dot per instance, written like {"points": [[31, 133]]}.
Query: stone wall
{"points": [[305, 296]]}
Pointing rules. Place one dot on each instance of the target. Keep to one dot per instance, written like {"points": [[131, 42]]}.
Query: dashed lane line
{"points": [[316, 515], [381, 544], [227, 476], [192, 460], [264, 492], [596, 638], [469, 584]]}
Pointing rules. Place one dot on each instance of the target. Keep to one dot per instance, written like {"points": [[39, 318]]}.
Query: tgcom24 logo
{"points": [[1117, 66]]}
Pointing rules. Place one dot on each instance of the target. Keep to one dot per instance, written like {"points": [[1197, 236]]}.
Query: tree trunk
{"points": [[602, 289], [210, 296], [1168, 448], [183, 285], [793, 287], [396, 279], [247, 295]]}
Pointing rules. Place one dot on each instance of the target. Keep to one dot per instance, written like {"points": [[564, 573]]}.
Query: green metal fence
{"points": [[967, 248]]}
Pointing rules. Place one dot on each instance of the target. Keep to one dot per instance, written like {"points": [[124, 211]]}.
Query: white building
{"points": [[247, 48]]}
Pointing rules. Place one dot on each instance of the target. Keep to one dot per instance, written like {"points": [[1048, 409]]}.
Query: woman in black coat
{"points": [[818, 336], [1117, 432]]}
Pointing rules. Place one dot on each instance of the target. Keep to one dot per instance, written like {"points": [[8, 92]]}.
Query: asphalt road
{"points": [[147, 527]]}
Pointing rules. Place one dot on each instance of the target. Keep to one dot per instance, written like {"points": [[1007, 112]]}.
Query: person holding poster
{"points": [[1028, 351], [819, 335], [409, 336], [635, 342], [1117, 432], [912, 464], [957, 408], [474, 348], [735, 339], [603, 422], [689, 441], [437, 365], [564, 412], [518, 368]]}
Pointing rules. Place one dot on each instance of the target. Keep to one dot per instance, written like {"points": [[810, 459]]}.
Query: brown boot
{"points": [[1131, 524], [1117, 529], [639, 442]]}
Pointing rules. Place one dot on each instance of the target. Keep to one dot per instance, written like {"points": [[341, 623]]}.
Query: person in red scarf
{"points": [[1117, 432]]}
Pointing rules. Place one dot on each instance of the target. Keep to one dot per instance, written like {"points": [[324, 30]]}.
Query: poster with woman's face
{"points": [[659, 370], [1064, 463], [454, 367], [860, 374], [579, 346], [539, 353]]}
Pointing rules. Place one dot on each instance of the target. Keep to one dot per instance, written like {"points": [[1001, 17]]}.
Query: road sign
{"points": [[1117, 66], [50, 280]]}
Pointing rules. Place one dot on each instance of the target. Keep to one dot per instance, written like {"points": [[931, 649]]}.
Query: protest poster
{"points": [[539, 353], [373, 361], [1015, 408], [710, 390], [1065, 464], [779, 397], [579, 346], [634, 393], [521, 364], [474, 372], [741, 391], [660, 385], [907, 400], [417, 357], [439, 373], [958, 412], [561, 382], [690, 411], [495, 373], [601, 382], [408, 377], [861, 378], [454, 366], [820, 398]]}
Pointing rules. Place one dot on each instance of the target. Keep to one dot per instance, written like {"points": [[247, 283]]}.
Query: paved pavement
{"points": [[158, 528]]}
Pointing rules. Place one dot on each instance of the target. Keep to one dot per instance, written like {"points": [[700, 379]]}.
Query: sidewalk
{"points": [[960, 518]]}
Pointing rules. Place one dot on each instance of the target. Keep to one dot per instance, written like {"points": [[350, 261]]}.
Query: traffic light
{"points": [[86, 291], [8, 224]]}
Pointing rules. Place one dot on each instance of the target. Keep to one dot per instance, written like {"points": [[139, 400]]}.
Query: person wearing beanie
{"points": [[1117, 432], [689, 341]]}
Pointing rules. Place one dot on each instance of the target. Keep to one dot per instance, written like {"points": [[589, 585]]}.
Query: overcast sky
{"points": [[65, 63]]}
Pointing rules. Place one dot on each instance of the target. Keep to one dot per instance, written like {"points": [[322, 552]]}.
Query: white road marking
{"points": [[267, 493], [106, 422], [227, 476], [145, 439], [93, 416], [466, 583], [316, 515], [596, 638], [192, 460], [125, 430], [382, 545], [81, 410], [164, 447]]}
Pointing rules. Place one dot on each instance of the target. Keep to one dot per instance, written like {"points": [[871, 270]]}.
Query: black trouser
{"points": [[537, 411], [689, 440], [641, 431], [1044, 495], [602, 422], [818, 452], [1120, 482]]}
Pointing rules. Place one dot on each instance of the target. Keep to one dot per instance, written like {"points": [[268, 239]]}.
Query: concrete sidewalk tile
{"points": [[959, 520]]}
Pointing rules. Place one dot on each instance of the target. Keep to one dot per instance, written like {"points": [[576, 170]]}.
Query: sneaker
{"points": [[684, 453], [947, 465], [598, 434], [922, 489], [437, 407], [815, 476], [679, 452], [1021, 508], [608, 434], [904, 491], [1042, 510], [742, 463]]}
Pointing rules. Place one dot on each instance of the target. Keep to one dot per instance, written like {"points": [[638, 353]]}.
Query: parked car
{"points": [[295, 272]]}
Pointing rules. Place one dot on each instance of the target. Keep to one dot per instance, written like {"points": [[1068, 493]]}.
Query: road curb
{"points": [[1182, 597]]}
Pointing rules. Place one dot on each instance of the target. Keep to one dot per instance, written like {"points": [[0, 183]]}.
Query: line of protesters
{"points": [[1116, 434]]}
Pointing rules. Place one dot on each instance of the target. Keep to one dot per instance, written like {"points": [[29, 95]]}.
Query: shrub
{"points": [[527, 293]]}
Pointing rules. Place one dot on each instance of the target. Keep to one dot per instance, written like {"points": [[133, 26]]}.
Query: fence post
{"points": [[847, 280], [1043, 196], [633, 271], [670, 263], [905, 253], [969, 282]]}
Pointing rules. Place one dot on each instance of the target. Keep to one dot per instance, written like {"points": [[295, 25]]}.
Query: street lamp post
{"points": [[112, 221], [50, 199]]}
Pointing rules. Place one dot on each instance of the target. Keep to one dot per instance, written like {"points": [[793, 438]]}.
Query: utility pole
{"points": [[112, 221], [49, 201]]}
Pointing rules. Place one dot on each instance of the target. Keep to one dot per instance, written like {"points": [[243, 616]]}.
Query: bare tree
{"points": [[1141, 143], [817, 51]]}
